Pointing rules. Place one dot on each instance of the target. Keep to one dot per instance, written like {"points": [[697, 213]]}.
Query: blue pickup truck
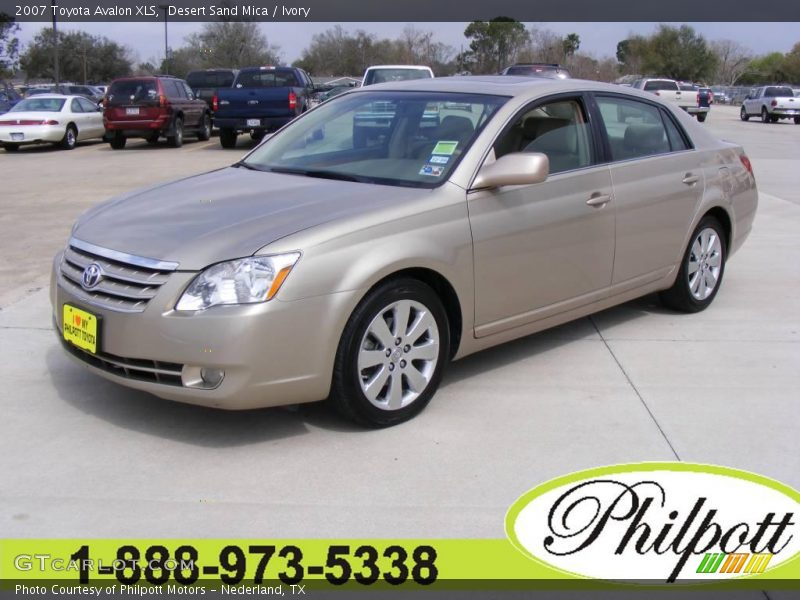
{"points": [[262, 99]]}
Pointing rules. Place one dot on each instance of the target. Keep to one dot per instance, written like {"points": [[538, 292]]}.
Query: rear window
{"points": [[656, 85], [777, 92], [266, 79], [39, 105], [688, 87], [133, 91], [210, 79], [402, 74]]}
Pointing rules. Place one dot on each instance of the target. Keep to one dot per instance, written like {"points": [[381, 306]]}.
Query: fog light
{"points": [[211, 377]]}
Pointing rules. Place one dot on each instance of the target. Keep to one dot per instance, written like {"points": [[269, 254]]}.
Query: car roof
{"points": [[426, 67], [500, 85]]}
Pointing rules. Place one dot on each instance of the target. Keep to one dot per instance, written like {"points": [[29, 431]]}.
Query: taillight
{"points": [[162, 100], [292, 100], [774, 103], [746, 163], [215, 103], [29, 122], [50, 122]]}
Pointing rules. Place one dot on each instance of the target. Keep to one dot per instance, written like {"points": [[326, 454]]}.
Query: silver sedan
{"points": [[51, 118], [393, 229]]}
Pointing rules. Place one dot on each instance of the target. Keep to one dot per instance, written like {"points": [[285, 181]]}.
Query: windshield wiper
{"points": [[321, 173], [246, 165]]}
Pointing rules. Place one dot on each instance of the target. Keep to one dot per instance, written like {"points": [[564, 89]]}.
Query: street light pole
{"points": [[55, 43], [165, 8]]}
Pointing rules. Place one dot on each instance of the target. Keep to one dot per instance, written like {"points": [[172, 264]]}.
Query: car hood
{"points": [[226, 214]]}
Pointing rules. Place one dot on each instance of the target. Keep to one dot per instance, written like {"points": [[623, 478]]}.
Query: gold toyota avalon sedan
{"points": [[392, 229]]}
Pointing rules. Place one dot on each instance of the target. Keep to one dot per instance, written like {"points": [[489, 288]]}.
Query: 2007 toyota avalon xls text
{"points": [[354, 253]]}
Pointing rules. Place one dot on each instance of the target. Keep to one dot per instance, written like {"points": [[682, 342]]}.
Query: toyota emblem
{"points": [[91, 276]]}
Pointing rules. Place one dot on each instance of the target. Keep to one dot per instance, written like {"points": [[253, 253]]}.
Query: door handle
{"points": [[690, 179], [598, 200]]}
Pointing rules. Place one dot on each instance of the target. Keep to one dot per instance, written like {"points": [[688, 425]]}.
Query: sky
{"points": [[598, 39]]}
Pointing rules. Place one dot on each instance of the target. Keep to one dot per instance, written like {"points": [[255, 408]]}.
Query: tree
{"points": [[82, 57], [495, 44], [543, 45], [733, 60], [570, 44], [679, 53], [230, 44], [9, 45], [632, 53]]}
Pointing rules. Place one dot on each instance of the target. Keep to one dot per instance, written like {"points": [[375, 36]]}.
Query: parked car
{"points": [[152, 107], [670, 90], [206, 82], [313, 269], [551, 70], [261, 100], [50, 119], [8, 98], [333, 92], [771, 103], [87, 91], [394, 73]]}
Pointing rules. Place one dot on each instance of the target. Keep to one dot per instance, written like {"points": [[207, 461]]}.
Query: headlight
{"points": [[243, 281]]}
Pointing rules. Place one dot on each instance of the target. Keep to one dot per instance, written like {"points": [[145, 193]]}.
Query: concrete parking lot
{"points": [[82, 457]]}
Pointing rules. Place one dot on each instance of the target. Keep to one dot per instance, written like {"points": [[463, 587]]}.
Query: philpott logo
{"points": [[658, 522]]}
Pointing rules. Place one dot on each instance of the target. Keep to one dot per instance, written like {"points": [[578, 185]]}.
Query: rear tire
{"points": [[227, 138], [391, 354], [797, 120], [764, 115], [70, 138], [204, 134], [701, 117], [702, 267], [11, 147], [743, 115], [176, 139], [118, 142]]}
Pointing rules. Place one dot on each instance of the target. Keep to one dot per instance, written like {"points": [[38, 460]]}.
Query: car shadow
{"points": [[47, 148], [198, 426]]}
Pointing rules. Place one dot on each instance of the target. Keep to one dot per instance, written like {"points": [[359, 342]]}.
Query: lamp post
{"points": [[165, 8], [55, 43]]}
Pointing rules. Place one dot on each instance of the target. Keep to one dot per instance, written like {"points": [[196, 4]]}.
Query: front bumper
{"points": [[32, 134], [274, 353]]}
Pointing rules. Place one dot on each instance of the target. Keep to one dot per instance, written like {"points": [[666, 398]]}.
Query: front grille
{"points": [[153, 371], [128, 282]]}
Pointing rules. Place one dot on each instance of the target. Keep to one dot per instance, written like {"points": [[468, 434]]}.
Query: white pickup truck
{"points": [[669, 89], [771, 102]]}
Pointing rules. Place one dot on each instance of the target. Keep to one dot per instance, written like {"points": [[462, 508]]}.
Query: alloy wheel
{"points": [[705, 264]]}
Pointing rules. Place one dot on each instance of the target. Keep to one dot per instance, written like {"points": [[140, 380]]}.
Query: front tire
{"points": [[391, 355], [70, 138], [743, 115], [701, 270]]}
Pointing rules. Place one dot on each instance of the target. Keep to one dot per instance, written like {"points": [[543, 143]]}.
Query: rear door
{"points": [[658, 184]]}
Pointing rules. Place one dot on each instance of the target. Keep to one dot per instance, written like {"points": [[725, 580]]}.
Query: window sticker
{"points": [[439, 160], [446, 148], [432, 170]]}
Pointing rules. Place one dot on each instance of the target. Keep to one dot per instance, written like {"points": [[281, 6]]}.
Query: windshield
{"points": [[393, 138], [39, 105], [398, 74]]}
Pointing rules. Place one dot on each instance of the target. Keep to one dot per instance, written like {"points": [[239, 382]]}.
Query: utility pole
{"points": [[165, 8], [55, 43]]}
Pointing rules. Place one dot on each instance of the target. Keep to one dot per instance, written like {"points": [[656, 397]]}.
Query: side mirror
{"points": [[518, 168]]}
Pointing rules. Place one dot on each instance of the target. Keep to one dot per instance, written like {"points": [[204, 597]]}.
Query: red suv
{"points": [[151, 107]]}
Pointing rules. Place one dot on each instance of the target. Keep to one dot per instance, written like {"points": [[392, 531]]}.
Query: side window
{"points": [[677, 142], [75, 106], [187, 90], [634, 129], [170, 88], [86, 105], [558, 129]]}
